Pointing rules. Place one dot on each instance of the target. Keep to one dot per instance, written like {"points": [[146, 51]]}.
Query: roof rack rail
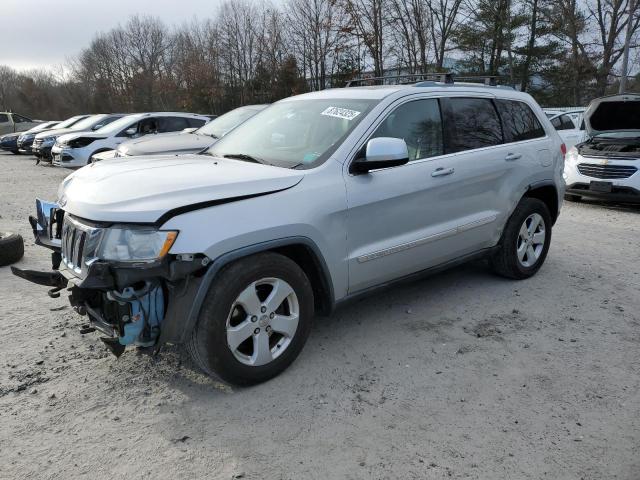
{"points": [[405, 79], [426, 79]]}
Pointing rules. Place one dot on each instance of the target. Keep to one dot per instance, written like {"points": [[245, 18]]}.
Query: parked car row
{"points": [[82, 139]]}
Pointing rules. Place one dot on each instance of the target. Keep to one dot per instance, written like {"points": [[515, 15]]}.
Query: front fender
{"points": [[177, 328]]}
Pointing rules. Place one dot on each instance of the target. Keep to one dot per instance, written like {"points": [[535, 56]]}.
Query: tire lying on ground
{"points": [[11, 248]]}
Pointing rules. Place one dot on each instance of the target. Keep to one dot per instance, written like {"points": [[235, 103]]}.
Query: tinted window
{"points": [[19, 119], [567, 123], [519, 122], [148, 125], [4, 118], [475, 124], [173, 124], [195, 122], [419, 124]]}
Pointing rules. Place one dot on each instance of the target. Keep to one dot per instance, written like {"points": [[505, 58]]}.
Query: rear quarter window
{"points": [[472, 123], [196, 122], [519, 122]]}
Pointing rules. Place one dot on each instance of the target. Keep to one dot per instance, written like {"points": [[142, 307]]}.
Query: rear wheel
{"points": [[525, 241], [254, 321]]}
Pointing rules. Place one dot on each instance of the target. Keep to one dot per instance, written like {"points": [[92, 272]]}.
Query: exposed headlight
{"points": [[49, 140], [135, 244], [572, 156]]}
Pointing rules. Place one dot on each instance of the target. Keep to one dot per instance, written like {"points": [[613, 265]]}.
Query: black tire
{"points": [[573, 198], [15, 152], [505, 260], [208, 343], [11, 248]]}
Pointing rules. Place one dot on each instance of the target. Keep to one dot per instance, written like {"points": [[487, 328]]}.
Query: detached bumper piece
{"points": [[49, 279]]}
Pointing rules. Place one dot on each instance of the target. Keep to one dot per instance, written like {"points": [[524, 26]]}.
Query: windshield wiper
{"points": [[245, 157]]}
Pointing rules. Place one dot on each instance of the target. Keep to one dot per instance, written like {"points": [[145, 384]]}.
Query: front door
{"points": [[404, 219]]}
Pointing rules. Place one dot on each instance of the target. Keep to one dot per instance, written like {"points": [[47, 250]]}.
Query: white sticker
{"points": [[338, 112]]}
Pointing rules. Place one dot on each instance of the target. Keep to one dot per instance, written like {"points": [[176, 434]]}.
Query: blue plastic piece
{"points": [[147, 310]]}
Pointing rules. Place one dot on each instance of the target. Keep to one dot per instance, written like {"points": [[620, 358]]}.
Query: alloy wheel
{"points": [[262, 321], [530, 241]]}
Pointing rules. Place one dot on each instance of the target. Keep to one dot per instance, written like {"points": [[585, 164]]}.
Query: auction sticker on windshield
{"points": [[343, 113]]}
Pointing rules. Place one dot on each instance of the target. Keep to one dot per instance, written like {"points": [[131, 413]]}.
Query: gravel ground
{"points": [[461, 375]]}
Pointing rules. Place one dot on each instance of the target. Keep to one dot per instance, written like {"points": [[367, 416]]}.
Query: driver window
{"points": [[419, 124], [149, 125]]}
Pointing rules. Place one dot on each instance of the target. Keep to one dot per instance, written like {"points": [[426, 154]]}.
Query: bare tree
{"points": [[368, 22], [314, 27], [445, 15], [611, 21]]}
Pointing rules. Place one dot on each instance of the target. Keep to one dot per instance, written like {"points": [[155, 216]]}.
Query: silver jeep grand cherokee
{"points": [[317, 199]]}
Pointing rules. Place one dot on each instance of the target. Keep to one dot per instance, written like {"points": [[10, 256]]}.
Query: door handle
{"points": [[441, 172], [512, 156]]}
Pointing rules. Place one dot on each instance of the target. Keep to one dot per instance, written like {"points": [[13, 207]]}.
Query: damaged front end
{"points": [[120, 276]]}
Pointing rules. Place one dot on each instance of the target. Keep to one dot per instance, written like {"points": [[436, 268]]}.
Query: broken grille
{"points": [[606, 171], [78, 246]]}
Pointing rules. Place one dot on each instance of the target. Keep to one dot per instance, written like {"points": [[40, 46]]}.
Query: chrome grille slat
{"points": [[78, 245], [606, 171]]}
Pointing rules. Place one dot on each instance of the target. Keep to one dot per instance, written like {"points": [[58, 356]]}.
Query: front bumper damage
{"points": [[138, 305]]}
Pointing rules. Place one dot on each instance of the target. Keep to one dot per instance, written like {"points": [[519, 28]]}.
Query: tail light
{"points": [[563, 149]]}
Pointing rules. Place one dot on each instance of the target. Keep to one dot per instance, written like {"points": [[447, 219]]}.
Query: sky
{"points": [[45, 33]]}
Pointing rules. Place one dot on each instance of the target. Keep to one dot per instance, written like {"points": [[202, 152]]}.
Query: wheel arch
{"points": [[546, 192], [302, 250]]}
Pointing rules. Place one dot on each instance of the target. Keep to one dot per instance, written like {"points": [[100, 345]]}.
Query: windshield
{"points": [[88, 122], [71, 121], [220, 126], [118, 125], [294, 132], [43, 126]]}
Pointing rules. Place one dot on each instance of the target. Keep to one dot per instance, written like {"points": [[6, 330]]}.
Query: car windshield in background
{"points": [[294, 133], [68, 122], [117, 126], [87, 122], [220, 126]]}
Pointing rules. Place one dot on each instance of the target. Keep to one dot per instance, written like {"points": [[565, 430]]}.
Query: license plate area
{"points": [[603, 187]]}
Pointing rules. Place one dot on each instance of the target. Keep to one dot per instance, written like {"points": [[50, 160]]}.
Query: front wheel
{"points": [[525, 241], [254, 321]]}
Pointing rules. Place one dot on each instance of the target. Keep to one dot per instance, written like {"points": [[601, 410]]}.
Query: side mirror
{"points": [[130, 132], [381, 152]]}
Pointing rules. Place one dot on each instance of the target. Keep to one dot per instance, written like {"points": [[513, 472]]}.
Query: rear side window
{"points": [[173, 124], [21, 119], [4, 118], [196, 122], [419, 124], [475, 124], [519, 121], [567, 123]]}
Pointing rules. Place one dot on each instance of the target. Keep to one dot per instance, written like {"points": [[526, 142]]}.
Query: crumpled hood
{"points": [[166, 143], [141, 189], [614, 113], [67, 137]]}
